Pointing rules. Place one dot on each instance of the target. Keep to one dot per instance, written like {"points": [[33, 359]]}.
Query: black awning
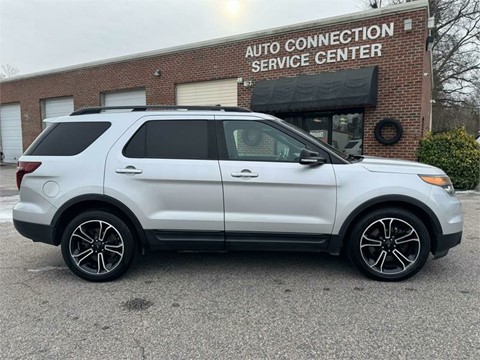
{"points": [[328, 90]]}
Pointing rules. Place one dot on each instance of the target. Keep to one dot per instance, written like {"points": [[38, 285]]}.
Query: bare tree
{"points": [[456, 52], [466, 115], [456, 62], [8, 71], [456, 48], [375, 4]]}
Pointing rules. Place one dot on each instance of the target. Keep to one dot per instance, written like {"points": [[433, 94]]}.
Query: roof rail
{"points": [[99, 109]]}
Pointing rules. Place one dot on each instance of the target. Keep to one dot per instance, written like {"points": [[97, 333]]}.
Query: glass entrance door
{"points": [[341, 129], [319, 126]]}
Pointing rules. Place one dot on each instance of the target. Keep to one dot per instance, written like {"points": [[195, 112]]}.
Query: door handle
{"points": [[244, 174], [131, 170]]}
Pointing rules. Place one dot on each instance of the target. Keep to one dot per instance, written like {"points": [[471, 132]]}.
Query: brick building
{"points": [[337, 78]]}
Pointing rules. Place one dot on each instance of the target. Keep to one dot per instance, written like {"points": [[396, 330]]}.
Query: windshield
{"points": [[316, 141]]}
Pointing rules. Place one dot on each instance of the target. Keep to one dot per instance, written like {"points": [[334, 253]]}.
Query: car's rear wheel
{"points": [[98, 246], [389, 244]]}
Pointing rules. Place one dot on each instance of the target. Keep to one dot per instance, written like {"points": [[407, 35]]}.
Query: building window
{"points": [[341, 129]]}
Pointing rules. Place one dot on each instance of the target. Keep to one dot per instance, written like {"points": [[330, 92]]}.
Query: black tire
{"points": [[388, 122], [389, 244], [98, 246]]}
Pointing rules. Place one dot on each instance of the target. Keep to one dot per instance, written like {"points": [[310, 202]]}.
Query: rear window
{"points": [[67, 139]]}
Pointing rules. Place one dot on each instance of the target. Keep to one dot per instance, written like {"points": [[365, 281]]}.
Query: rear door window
{"points": [[170, 139]]}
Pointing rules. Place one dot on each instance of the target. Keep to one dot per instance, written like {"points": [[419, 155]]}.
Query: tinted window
{"points": [[170, 139], [67, 139]]}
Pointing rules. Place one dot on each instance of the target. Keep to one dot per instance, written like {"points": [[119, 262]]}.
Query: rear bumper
{"points": [[445, 243], [35, 232]]}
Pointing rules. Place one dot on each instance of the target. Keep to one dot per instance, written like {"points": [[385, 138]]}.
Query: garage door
{"points": [[211, 93], [11, 132], [125, 98], [57, 107]]}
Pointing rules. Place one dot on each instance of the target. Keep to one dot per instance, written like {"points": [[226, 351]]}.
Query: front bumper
{"points": [[444, 243], [35, 232]]}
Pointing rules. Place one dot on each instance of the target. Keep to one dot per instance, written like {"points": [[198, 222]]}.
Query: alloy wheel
{"points": [[390, 246], [96, 247]]}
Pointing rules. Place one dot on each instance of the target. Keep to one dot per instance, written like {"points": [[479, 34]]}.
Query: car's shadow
{"points": [[240, 263], [163, 264]]}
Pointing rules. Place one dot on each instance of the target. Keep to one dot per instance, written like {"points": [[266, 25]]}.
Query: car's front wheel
{"points": [[389, 244], [97, 246]]}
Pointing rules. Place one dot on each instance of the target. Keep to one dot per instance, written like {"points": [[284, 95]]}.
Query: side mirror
{"points": [[308, 157]]}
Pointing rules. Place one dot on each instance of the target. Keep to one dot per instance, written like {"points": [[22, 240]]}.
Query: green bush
{"points": [[455, 152]]}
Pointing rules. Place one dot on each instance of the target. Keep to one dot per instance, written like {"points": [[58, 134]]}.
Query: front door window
{"points": [[257, 141]]}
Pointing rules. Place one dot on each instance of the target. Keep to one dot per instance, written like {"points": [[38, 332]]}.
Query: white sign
{"points": [[313, 43]]}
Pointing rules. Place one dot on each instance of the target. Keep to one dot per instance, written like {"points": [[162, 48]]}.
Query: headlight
{"points": [[439, 180]]}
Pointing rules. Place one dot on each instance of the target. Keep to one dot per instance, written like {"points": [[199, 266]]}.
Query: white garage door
{"points": [[57, 107], [211, 93], [11, 131], [125, 98]]}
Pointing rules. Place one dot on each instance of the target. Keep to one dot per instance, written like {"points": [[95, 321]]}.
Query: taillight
{"points": [[25, 167]]}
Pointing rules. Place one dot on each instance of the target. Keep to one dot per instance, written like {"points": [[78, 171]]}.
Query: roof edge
{"points": [[356, 16]]}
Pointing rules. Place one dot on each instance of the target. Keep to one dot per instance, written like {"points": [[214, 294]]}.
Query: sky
{"points": [[39, 35]]}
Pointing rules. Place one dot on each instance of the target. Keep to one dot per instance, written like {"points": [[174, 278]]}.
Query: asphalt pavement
{"points": [[236, 305]]}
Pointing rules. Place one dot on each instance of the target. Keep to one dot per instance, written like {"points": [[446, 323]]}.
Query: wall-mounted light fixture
{"points": [[157, 73], [248, 83], [429, 43], [239, 80]]}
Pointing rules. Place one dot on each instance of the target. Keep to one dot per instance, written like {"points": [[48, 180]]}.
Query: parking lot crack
{"points": [[137, 341], [142, 349]]}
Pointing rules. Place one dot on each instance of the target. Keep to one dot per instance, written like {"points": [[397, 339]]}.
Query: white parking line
{"points": [[47, 268]]}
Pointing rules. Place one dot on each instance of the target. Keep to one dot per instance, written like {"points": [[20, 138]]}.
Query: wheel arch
{"points": [[422, 211], [99, 202]]}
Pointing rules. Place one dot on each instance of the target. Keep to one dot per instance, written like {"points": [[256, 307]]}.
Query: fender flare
{"points": [[339, 240], [104, 199]]}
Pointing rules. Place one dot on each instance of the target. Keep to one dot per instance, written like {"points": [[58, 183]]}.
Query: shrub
{"points": [[455, 152]]}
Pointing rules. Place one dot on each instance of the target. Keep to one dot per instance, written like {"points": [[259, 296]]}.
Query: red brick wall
{"points": [[403, 91]]}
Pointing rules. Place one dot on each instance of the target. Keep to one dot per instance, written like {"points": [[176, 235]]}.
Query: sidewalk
{"points": [[8, 181], [8, 191]]}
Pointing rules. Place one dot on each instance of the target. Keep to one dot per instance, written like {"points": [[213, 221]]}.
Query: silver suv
{"points": [[104, 184]]}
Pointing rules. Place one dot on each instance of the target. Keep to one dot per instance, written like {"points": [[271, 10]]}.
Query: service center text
{"points": [[312, 42]]}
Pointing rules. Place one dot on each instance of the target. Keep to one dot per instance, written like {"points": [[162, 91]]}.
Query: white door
{"points": [[57, 107], [209, 93], [272, 201], [11, 132], [125, 98]]}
